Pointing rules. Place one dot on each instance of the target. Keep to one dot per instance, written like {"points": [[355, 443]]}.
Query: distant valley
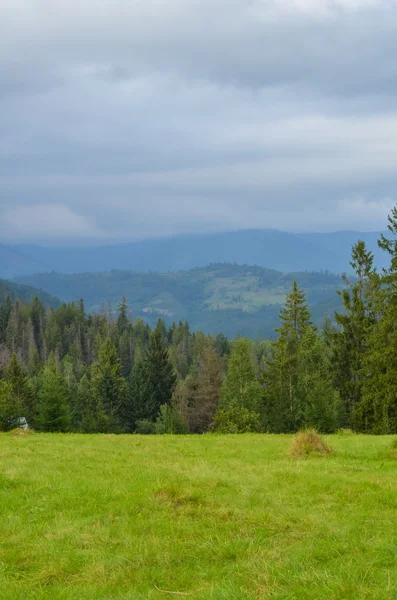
{"points": [[170, 277], [227, 298]]}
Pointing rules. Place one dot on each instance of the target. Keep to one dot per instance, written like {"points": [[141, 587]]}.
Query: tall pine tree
{"points": [[207, 389], [241, 387], [159, 371], [53, 410], [284, 410], [109, 388], [377, 411], [21, 390], [349, 341]]}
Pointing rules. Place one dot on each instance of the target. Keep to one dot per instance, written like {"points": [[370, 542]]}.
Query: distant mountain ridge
{"points": [[287, 252], [219, 298], [13, 262]]}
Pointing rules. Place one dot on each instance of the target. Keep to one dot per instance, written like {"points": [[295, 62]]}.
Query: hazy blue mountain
{"points": [[267, 248], [225, 298], [26, 292], [14, 263]]}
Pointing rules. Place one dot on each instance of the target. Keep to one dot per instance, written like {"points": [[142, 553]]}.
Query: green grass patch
{"points": [[213, 517]]}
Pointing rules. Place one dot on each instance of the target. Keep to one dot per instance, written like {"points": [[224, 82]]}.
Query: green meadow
{"points": [[201, 517]]}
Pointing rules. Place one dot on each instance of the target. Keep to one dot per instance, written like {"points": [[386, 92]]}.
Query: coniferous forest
{"points": [[63, 370]]}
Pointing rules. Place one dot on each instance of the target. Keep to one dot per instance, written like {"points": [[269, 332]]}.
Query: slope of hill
{"points": [[223, 298], [267, 248], [26, 292]]}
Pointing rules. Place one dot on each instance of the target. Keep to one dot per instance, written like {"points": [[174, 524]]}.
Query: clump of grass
{"points": [[394, 448], [309, 443], [177, 497], [21, 431], [345, 431]]}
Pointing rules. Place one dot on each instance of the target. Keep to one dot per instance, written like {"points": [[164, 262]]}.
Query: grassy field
{"points": [[210, 517]]}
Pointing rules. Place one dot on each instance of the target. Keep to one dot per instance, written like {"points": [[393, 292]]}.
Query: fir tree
{"points": [[295, 317], [284, 409], [319, 400], [122, 319], [38, 317], [84, 418], [9, 411], [5, 313], [21, 391], [140, 403], [207, 389], [241, 386], [377, 411], [53, 412], [109, 387], [125, 353], [14, 329], [160, 374], [349, 341], [162, 330]]}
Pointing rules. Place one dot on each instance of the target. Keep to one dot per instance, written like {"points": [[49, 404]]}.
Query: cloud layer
{"points": [[124, 119]]}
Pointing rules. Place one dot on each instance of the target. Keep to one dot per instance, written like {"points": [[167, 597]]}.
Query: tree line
{"points": [[63, 370]]}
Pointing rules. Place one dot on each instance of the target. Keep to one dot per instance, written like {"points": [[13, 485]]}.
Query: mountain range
{"points": [[272, 249]]}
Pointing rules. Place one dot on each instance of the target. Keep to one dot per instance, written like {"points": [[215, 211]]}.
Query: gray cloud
{"points": [[125, 119]]}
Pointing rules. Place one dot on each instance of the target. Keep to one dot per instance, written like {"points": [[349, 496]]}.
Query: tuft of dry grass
{"points": [[308, 443], [21, 431]]}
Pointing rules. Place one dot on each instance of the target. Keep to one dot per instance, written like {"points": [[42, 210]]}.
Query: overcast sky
{"points": [[124, 119]]}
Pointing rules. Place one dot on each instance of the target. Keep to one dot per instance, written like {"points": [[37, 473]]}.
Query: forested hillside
{"points": [[267, 248], [66, 370], [225, 298], [12, 290]]}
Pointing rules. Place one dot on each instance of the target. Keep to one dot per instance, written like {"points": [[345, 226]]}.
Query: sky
{"points": [[128, 119]]}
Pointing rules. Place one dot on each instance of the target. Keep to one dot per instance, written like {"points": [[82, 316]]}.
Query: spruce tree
{"points": [[5, 313], [21, 390], [9, 411], [122, 319], [160, 374], [14, 329], [125, 353], [295, 317], [377, 411], [349, 341], [53, 411], [84, 418], [284, 410], [109, 387], [162, 329], [140, 402], [207, 389], [38, 317], [241, 387], [319, 400]]}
